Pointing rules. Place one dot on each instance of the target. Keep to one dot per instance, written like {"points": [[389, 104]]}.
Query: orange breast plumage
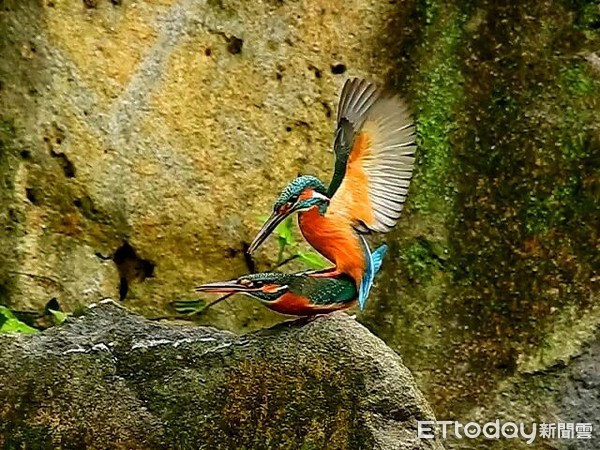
{"points": [[298, 305], [335, 239]]}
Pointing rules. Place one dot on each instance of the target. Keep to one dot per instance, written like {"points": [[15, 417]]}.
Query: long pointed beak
{"points": [[224, 287], [267, 228]]}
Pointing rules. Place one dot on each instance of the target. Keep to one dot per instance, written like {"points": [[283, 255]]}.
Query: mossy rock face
{"points": [[496, 260], [111, 379], [162, 150]]}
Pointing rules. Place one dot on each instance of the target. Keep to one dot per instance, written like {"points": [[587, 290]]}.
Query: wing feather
{"points": [[357, 97], [379, 161]]}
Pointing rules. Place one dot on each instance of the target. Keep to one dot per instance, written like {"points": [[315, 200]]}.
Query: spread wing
{"points": [[355, 100], [374, 148]]}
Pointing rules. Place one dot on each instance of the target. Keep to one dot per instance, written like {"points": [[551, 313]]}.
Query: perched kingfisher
{"points": [[297, 294], [374, 148]]}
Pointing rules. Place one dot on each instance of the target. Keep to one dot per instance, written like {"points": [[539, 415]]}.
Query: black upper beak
{"points": [[267, 228], [224, 287]]}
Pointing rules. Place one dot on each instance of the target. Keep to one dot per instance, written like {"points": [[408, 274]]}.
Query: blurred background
{"points": [[143, 142]]}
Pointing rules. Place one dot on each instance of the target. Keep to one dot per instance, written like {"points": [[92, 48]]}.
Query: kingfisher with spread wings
{"points": [[374, 148]]}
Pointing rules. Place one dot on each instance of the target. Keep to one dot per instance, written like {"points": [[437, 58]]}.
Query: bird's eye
{"points": [[292, 201], [251, 284]]}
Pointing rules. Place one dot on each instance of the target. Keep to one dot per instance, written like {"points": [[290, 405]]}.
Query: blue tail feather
{"points": [[377, 257], [373, 261]]}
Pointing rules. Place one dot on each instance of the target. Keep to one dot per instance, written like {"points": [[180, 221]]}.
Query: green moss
{"points": [[285, 418], [508, 183], [422, 258], [578, 80], [8, 134], [9, 215], [30, 436], [439, 92], [587, 17], [7, 131]]}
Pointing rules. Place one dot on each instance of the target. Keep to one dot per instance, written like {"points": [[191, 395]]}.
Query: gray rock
{"points": [[579, 393], [112, 379]]}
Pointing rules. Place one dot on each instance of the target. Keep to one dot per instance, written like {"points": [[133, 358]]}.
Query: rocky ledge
{"points": [[112, 379]]}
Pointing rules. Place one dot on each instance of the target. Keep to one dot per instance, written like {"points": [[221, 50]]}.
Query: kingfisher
{"points": [[374, 147], [297, 294]]}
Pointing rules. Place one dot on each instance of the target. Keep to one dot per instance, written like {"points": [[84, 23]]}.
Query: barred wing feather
{"points": [[377, 160]]}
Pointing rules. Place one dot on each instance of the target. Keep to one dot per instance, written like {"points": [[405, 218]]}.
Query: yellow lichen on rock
{"points": [[106, 43]]}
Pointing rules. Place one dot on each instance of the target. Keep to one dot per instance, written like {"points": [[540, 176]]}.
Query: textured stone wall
{"points": [[168, 126], [496, 261]]}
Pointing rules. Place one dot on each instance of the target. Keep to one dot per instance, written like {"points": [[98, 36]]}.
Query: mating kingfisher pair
{"points": [[374, 148]]}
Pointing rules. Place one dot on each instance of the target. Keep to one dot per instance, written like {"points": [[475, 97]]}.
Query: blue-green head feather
{"points": [[290, 195], [292, 200]]}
